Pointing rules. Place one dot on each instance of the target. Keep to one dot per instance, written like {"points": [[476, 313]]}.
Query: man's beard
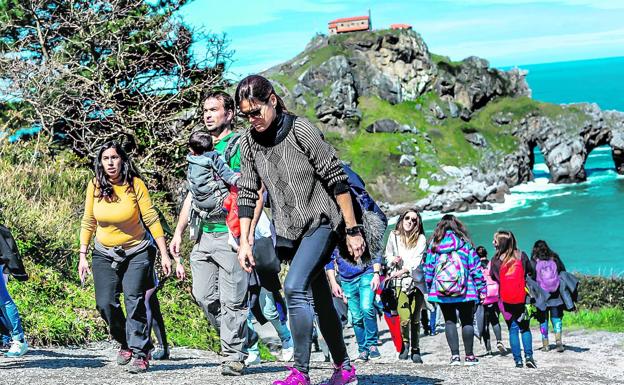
{"points": [[217, 130]]}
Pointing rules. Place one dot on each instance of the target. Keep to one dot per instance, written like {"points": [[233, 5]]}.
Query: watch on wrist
{"points": [[355, 230], [376, 272]]}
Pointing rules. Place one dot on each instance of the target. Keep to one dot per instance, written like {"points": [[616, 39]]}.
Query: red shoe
{"points": [[139, 365], [124, 356]]}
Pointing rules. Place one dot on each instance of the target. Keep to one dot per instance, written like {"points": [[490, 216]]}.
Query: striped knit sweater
{"points": [[475, 283], [299, 170]]}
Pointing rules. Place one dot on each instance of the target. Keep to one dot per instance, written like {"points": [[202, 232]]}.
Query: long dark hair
{"points": [[506, 246], [260, 89], [104, 187], [410, 238], [542, 252], [449, 222]]}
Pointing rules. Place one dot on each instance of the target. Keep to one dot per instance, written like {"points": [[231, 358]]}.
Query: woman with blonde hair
{"points": [[510, 267], [404, 254]]}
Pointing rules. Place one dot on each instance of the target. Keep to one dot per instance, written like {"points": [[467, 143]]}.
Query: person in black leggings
{"points": [[156, 322], [312, 209]]}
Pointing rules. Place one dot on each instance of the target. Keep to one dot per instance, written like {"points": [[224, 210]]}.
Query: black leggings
{"points": [[307, 271], [466, 316], [155, 317], [491, 313]]}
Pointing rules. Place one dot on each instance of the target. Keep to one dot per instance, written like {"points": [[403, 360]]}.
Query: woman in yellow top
{"points": [[119, 210]]}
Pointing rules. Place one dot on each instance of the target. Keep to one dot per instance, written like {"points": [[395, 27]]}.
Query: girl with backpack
{"points": [[404, 254], [510, 267], [454, 279], [489, 306], [548, 266]]}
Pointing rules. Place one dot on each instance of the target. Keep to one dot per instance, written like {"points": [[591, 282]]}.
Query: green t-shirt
{"points": [[221, 227]]}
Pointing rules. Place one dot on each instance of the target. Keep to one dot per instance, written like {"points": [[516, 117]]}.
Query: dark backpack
{"points": [[547, 275], [231, 148], [10, 256]]}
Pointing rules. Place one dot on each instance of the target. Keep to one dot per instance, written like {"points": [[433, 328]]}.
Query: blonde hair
{"points": [[506, 246], [410, 238]]}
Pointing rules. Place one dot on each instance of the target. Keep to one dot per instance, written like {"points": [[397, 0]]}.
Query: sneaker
{"points": [[232, 368], [288, 351], [252, 359], [455, 360], [373, 353], [519, 364], [17, 349], [342, 376], [545, 345], [362, 357], [161, 353], [294, 378], [471, 360], [530, 363], [124, 356], [416, 358], [501, 348], [139, 365]]}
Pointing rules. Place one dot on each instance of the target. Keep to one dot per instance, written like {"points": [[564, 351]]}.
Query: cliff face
{"points": [[419, 127]]}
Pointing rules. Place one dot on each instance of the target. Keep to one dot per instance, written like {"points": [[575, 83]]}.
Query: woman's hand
{"points": [[165, 263], [397, 260], [174, 246], [356, 246], [375, 282], [397, 274], [180, 272], [337, 291], [245, 257], [83, 268]]}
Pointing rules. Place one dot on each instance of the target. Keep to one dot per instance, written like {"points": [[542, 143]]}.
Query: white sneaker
{"points": [[17, 349], [252, 359], [288, 351]]}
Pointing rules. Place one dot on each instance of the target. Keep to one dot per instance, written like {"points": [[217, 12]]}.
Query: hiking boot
{"points": [[294, 378], [405, 352], [232, 368], [519, 364], [501, 348], [161, 353], [342, 376], [530, 363], [373, 353], [545, 345], [252, 359], [362, 357], [455, 360], [124, 356], [471, 360], [416, 358], [17, 349], [139, 365], [559, 343]]}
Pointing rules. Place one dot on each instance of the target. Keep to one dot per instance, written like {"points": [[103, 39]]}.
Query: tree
{"points": [[89, 71]]}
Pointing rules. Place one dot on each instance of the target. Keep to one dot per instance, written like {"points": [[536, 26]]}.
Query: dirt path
{"points": [[590, 358]]}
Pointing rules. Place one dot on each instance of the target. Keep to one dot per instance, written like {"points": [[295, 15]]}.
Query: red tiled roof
{"points": [[400, 26], [345, 19]]}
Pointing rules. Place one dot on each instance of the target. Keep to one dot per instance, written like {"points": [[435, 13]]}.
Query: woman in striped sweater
{"points": [[311, 207], [455, 280]]}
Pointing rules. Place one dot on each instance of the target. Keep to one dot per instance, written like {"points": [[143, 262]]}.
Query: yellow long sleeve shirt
{"points": [[118, 223]]}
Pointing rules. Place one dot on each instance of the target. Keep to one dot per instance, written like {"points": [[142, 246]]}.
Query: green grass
{"points": [[609, 319]]}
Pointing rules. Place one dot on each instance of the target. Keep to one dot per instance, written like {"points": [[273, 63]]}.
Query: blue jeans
{"points": [[360, 300], [10, 315], [519, 330]]}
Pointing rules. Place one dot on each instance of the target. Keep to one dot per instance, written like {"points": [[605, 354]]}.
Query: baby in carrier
{"points": [[209, 177]]}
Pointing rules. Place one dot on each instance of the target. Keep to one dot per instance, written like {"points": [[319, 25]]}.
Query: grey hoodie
{"points": [[208, 177]]}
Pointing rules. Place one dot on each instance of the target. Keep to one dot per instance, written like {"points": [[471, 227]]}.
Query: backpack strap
{"points": [[231, 148]]}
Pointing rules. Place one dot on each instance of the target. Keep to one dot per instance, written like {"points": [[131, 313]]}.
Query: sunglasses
{"points": [[255, 113], [411, 219]]}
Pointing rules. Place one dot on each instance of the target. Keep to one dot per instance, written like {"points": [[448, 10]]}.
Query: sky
{"points": [[506, 32]]}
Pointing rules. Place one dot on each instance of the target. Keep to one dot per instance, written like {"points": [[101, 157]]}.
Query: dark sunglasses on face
{"points": [[255, 113], [411, 219]]}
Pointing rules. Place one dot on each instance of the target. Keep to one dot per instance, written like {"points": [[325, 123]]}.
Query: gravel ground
{"points": [[591, 357]]}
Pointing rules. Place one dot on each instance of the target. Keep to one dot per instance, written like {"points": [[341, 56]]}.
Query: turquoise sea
{"points": [[584, 223]]}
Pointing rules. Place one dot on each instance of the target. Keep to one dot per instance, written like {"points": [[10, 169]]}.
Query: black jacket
{"points": [[10, 257]]}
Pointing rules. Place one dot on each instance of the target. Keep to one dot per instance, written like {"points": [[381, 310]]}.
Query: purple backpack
{"points": [[547, 275]]}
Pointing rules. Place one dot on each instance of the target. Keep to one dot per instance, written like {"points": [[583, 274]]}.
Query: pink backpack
{"points": [[492, 287]]}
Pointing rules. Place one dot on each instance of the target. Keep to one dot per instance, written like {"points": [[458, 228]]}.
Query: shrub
{"points": [[600, 292]]}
